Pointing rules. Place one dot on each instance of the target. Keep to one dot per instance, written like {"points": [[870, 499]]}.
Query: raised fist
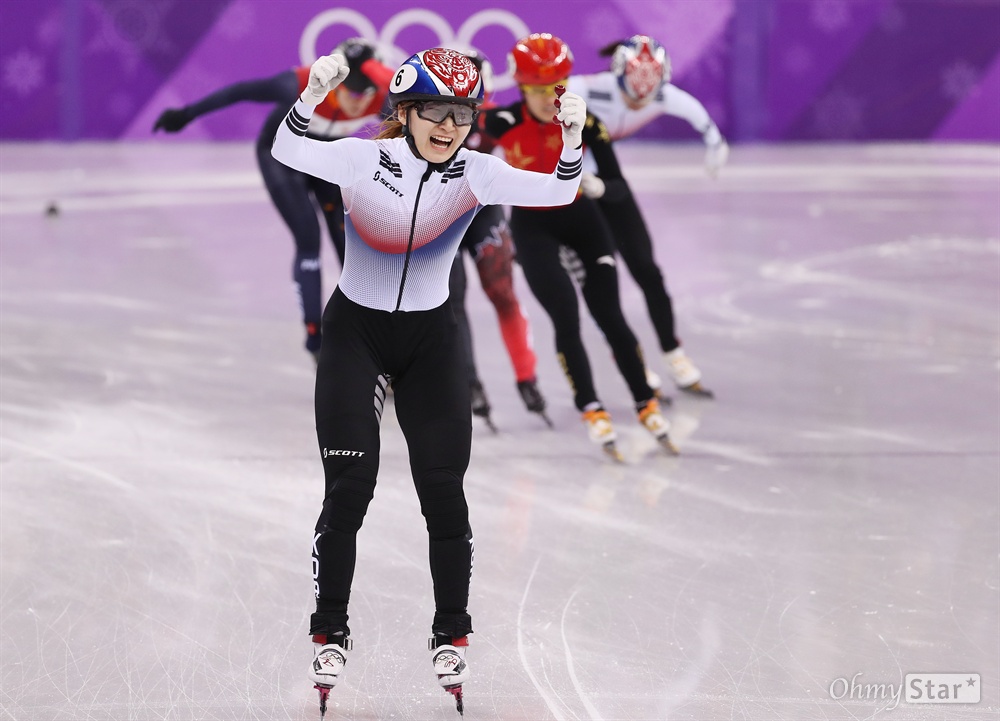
{"points": [[571, 116], [325, 74]]}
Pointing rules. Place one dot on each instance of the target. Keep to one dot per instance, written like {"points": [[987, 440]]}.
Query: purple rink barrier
{"points": [[765, 69]]}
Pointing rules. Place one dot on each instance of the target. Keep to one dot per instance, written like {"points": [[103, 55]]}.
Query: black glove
{"points": [[173, 120]]}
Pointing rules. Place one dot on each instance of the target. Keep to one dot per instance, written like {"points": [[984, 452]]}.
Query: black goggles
{"points": [[436, 111]]}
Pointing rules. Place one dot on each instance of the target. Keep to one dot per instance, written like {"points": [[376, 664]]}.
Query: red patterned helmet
{"points": [[437, 74], [641, 66], [540, 59], [485, 68]]}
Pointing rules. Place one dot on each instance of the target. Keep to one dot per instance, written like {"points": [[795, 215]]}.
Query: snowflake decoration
{"points": [[959, 80], [839, 115], [830, 16], [23, 72], [130, 28]]}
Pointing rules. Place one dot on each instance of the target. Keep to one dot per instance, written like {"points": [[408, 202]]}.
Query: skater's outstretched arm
{"points": [[682, 104], [500, 184], [281, 88]]}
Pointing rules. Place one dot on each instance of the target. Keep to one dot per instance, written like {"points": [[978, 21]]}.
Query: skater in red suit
{"points": [[541, 62], [489, 244], [409, 195]]}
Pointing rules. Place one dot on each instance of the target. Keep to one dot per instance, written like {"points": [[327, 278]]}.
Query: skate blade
{"points": [[668, 445], [490, 424], [545, 417], [612, 451], [324, 694], [697, 389], [662, 397], [456, 691]]}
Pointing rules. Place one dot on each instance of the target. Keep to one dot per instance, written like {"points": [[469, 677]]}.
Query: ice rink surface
{"points": [[832, 524]]}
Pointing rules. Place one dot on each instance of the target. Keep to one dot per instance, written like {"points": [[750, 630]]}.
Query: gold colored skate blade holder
{"points": [[668, 445], [697, 389], [612, 451]]}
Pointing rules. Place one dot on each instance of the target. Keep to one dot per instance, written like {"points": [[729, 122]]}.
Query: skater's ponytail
{"points": [[391, 127]]}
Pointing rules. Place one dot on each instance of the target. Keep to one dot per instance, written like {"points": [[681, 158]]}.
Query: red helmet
{"points": [[539, 59]]}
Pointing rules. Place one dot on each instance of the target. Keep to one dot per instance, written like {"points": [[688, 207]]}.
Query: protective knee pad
{"points": [[442, 501], [345, 505]]}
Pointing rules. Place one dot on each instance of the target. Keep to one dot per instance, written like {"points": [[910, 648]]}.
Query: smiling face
{"points": [[435, 141]]}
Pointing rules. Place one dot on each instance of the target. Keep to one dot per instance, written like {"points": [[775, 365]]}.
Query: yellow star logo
{"points": [[517, 158]]}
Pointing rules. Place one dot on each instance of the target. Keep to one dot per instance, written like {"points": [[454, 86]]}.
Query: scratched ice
{"points": [[833, 517]]}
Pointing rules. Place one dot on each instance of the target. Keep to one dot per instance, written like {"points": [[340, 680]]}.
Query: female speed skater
{"points": [[409, 197], [635, 91], [541, 63]]}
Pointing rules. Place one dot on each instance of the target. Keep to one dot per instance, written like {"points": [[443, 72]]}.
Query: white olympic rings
{"points": [[386, 39]]}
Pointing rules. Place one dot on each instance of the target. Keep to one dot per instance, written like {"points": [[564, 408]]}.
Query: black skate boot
{"points": [[533, 399], [448, 657], [481, 404]]}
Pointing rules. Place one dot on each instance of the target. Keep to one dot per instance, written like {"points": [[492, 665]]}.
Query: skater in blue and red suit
{"points": [[409, 195], [356, 103]]}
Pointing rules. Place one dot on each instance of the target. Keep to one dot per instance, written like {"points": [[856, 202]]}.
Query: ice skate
{"points": [[685, 373], [329, 660], [602, 433], [481, 405], [650, 416], [655, 384], [448, 657], [533, 399]]}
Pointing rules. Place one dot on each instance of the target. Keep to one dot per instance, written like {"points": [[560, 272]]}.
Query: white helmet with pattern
{"points": [[641, 66]]}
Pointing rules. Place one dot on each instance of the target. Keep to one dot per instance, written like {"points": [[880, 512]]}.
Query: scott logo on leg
{"points": [[327, 453]]}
